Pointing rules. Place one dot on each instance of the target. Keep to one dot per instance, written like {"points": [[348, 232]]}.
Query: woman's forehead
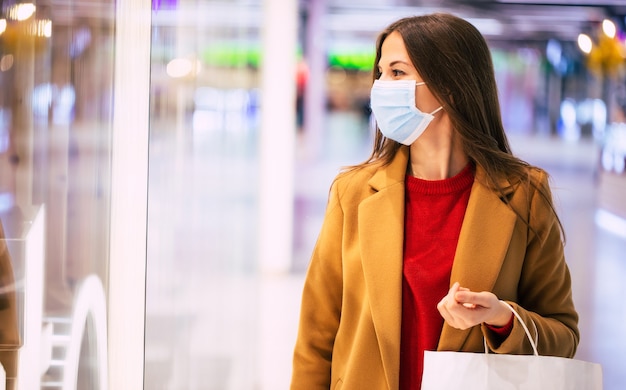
{"points": [[393, 50]]}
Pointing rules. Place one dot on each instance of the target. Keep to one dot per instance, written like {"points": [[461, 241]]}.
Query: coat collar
{"points": [[393, 173], [480, 252]]}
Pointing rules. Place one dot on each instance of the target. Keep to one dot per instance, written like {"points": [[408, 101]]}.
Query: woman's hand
{"points": [[462, 308]]}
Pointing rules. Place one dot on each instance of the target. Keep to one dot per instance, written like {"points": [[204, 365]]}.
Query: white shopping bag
{"points": [[484, 371], [479, 371]]}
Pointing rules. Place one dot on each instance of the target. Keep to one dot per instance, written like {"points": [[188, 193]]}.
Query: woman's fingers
{"points": [[484, 299], [462, 308]]}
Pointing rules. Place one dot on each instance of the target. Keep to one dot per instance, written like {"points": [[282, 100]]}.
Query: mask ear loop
{"points": [[437, 110], [418, 83]]}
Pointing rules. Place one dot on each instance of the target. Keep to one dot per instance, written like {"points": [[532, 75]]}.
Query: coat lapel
{"points": [[483, 242], [381, 236]]}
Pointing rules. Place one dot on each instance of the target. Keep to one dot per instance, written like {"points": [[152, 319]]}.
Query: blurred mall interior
{"points": [[165, 165]]}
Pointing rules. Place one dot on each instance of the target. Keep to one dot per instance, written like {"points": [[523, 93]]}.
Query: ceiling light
{"points": [[584, 43], [21, 11], [609, 29]]}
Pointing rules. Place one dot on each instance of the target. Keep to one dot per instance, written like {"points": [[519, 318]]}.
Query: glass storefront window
{"points": [[56, 82]]}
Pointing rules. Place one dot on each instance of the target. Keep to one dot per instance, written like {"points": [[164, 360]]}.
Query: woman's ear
{"points": [[449, 97]]}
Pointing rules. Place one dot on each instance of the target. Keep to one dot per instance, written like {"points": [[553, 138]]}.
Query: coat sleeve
{"points": [[544, 290], [321, 304]]}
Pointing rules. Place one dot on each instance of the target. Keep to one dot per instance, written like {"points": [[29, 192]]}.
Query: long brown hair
{"points": [[454, 60]]}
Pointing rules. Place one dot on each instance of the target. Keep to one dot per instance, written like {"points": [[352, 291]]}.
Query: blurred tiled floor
{"points": [[214, 322]]}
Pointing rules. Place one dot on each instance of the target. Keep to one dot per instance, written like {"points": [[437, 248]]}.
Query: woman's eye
{"points": [[397, 72]]}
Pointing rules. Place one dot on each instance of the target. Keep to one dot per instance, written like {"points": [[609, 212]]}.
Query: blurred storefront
{"points": [[207, 127], [605, 53], [163, 164]]}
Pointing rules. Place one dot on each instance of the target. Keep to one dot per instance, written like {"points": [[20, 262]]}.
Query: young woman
{"points": [[422, 243]]}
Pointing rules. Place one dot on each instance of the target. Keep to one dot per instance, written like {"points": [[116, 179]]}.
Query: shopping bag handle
{"points": [[533, 343]]}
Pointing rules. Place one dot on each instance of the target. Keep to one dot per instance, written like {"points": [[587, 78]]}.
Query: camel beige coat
{"points": [[349, 334]]}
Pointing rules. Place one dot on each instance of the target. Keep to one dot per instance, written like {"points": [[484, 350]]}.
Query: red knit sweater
{"points": [[433, 217]]}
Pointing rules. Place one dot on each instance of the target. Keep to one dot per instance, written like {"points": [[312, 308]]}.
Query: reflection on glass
{"points": [[56, 78], [10, 338]]}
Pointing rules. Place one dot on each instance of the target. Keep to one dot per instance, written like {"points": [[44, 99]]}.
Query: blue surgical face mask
{"points": [[393, 105]]}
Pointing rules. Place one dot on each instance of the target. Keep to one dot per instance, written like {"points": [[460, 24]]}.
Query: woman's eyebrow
{"points": [[394, 63], [399, 62]]}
